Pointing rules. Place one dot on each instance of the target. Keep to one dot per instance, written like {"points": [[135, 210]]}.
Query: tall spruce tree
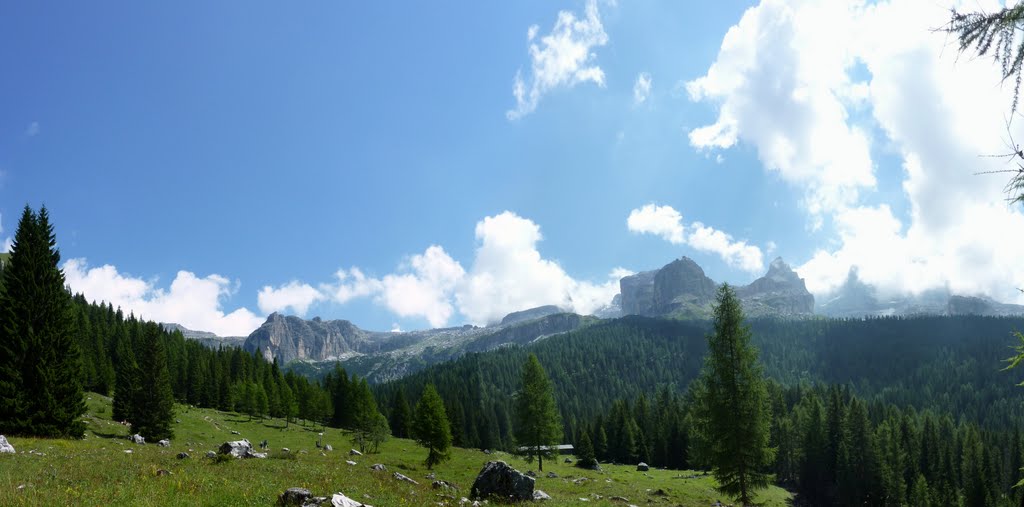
{"points": [[431, 428], [538, 424], [401, 416], [733, 410], [153, 409], [40, 362]]}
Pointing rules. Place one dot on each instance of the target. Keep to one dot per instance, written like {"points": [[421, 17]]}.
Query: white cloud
{"points": [[562, 58], [508, 274], [788, 79], [33, 129], [642, 88], [780, 82], [294, 295], [190, 301], [667, 223], [8, 242], [663, 221]]}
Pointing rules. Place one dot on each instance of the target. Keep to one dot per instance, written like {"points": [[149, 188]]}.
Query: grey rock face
{"points": [[637, 293], [531, 314], [290, 338], [5, 446], [780, 292], [682, 286], [500, 480]]}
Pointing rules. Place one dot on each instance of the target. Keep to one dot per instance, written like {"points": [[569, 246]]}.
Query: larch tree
{"points": [[733, 411], [431, 428], [538, 425], [40, 362]]}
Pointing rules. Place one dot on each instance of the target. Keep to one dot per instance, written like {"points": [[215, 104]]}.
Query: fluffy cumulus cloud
{"points": [[8, 242], [667, 223], [563, 58], [191, 301], [642, 88], [294, 296], [792, 78], [508, 274]]}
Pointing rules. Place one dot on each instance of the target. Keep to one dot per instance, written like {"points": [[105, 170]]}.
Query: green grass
{"points": [[97, 471]]}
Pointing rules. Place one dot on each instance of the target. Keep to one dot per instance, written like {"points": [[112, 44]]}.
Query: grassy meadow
{"points": [[98, 471]]}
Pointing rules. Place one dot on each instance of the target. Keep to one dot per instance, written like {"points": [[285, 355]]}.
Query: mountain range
{"points": [[678, 290]]}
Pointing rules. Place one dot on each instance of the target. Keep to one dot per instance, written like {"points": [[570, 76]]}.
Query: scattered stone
{"points": [[162, 472], [350, 462], [183, 455], [642, 467], [177, 421], [285, 450], [487, 451], [540, 496], [138, 439], [500, 480], [531, 473], [568, 461], [303, 451], [328, 448], [5, 446], [127, 451], [294, 497], [618, 499], [659, 492], [442, 485], [431, 476], [211, 454], [552, 475], [353, 452], [379, 467], [233, 432], [164, 443], [401, 477], [581, 480], [240, 449], [340, 500]]}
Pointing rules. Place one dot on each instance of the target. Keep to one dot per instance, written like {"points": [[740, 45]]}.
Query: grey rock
{"points": [[161, 472], [350, 462], [552, 475], [233, 432], [531, 473], [294, 497], [183, 455], [164, 443], [379, 467], [438, 484], [642, 467], [637, 293], [206, 338], [239, 449], [211, 454], [502, 481], [401, 477], [138, 439], [340, 500], [780, 292], [260, 455], [353, 452], [328, 448], [568, 460], [5, 446], [540, 496]]}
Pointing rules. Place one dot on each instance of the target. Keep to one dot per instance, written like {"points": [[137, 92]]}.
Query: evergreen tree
{"points": [[126, 384], [153, 408], [538, 423], [40, 361], [585, 452], [401, 416], [430, 427], [733, 413]]}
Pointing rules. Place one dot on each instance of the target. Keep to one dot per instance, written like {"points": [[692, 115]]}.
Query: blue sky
{"points": [[261, 145]]}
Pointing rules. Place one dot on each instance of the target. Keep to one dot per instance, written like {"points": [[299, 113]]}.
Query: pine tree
{"points": [[153, 409], [585, 452], [401, 416], [430, 427], [126, 384], [733, 413], [538, 423], [40, 361]]}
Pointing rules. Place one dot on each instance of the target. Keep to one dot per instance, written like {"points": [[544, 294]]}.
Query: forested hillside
{"points": [[948, 364]]}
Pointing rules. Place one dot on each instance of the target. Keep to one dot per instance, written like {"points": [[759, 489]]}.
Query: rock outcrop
{"points": [[240, 449], [637, 293], [682, 287], [498, 479], [780, 292], [531, 314]]}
